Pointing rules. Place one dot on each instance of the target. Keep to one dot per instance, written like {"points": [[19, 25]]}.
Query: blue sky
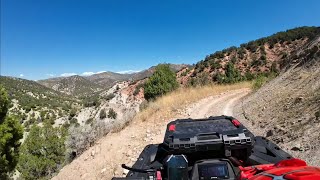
{"points": [[45, 38]]}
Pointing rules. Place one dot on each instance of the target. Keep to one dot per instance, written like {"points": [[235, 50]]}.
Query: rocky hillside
{"points": [[287, 109], [88, 85], [33, 102], [107, 79], [259, 57], [73, 85]]}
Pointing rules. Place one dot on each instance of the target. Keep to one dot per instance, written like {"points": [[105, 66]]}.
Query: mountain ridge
{"points": [[97, 82]]}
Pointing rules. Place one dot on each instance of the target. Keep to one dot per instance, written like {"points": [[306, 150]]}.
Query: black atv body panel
{"points": [[219, 134], [212, 139]]}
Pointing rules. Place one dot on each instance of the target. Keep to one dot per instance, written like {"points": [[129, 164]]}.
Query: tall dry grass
{"points": [[168, 104]]}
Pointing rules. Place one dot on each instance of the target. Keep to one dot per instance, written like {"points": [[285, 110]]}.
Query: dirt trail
{"points": [[103, 160]]}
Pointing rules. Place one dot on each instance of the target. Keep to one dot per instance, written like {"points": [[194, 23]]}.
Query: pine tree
{"points": [[43, 152], [161, 82], [10, 133]]}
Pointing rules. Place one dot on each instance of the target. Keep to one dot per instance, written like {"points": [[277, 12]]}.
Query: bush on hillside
{"points": [[112, 114], [43, 152], [262, 79], [72, 113], [102, 114], [137, 89], [201, 80], [82, 137], [161, 82], [89, 121], [91, 101], [215, 64], [10, 134], [232, 74], [259, 82]]}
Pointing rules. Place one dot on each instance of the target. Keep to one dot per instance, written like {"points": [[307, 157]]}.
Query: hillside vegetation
{"points": [[33, 103], [263, 56], [287, 109], [10, 134], [161, 82], [31, 95], [73, 85]]}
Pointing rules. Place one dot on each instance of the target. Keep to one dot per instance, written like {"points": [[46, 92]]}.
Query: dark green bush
{"points": [[161, 82], [89, 121], [72, 113], [42, 153], [102, 114], [91, 101], [10, 134], [74, 121], [112, 114]]}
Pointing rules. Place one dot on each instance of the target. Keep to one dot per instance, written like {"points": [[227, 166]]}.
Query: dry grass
{"points": [[169, 104]]}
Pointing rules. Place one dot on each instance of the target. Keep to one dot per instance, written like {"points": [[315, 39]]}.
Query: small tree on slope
{"points": [[161, 82], [10, 134]]}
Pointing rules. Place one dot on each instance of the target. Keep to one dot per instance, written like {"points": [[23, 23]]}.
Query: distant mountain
{"points": [[72, 85], [107, 79], [32, 95], [86, 85]]}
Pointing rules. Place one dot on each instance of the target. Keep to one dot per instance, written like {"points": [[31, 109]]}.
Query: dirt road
{"points": [[103, 160]]}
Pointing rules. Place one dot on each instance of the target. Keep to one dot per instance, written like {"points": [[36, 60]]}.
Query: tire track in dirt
{"points": [[221, 104]]}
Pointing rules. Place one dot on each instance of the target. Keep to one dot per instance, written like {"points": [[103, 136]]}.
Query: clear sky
{"points": [[45, 38]]}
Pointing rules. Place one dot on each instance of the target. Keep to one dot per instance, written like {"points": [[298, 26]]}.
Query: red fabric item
{"points": [[291, 169], [291, 163]]}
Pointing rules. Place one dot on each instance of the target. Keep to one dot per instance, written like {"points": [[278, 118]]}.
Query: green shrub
{"points": [[184, 73], [27, 109], [89, 121], [137, 89], [42, 153], [220, 78], [259, 82], [215, 64], [161, 82], [103, 114], [91, 101], [249, 76], [274, 68], [233, 60], [232, 75], [10, 134], [72, 113], [112, 114], [4, 103], [73, 121], [200, 80], [241, 52]]}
